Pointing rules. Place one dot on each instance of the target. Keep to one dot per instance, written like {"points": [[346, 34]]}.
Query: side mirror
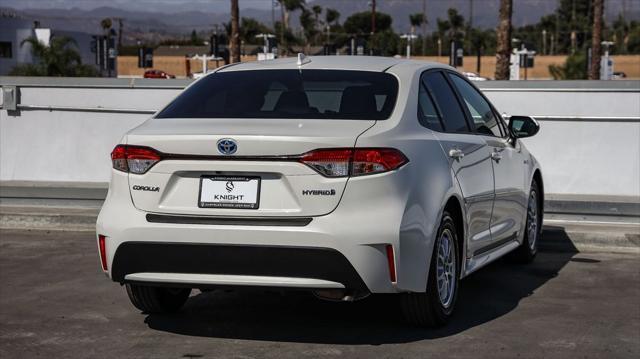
{"points": [[523, 126]]}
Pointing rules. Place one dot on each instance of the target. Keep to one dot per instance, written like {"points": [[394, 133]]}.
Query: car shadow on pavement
{"points": [[298, 317]]}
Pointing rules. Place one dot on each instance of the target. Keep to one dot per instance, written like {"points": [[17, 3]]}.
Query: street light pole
{"points": [[409, 38]]}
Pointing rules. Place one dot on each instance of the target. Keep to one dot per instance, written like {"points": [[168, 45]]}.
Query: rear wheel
{"points": [[529, 247], [157, 299], [434, 307]]}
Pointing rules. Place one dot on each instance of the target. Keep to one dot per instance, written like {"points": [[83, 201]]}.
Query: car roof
{"points": [[357, 63]]}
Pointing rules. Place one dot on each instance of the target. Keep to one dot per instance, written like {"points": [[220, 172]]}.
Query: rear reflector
{"points": [[102, 249], [134, 159], [353, 162], [391, 261]]}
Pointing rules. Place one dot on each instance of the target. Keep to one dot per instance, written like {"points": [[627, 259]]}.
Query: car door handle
{"points": [[456, 154], [496, 156]]}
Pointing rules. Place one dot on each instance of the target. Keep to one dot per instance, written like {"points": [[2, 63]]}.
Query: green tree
{"points": [[308, 26], [416, 20], [385, 43], [195, 39], [60, 58], [360, 23], [251, 27], [574, 68], [331, 16], [289, 6]]}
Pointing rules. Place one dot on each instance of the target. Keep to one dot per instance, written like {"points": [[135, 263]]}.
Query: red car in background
{"points": [[158, 74]]}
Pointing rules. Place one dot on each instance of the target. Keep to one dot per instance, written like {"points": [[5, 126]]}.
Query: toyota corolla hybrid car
{"points": [[343, 176]]}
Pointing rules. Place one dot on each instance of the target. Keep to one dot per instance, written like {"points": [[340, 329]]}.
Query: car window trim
{"points": [[444, 127], [467, 112], [470, 117], [435, 106]]}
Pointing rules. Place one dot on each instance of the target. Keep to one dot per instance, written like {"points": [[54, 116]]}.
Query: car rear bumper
{"points": [[234, 265], [346, 246]]}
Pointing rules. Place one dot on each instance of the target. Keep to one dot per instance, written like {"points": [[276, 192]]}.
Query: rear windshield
{"points": [[308, 94]]}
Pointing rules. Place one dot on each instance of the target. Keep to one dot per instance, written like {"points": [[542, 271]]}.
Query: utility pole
{"points": [[373, 26], [373, 17], [120, 27], [273, 15], [424, 27], [470, 14]]}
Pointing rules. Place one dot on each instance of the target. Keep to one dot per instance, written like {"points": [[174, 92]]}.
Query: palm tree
{"points": [[106, 24], [317, 11], [331, 16], [598, 5], [60, 58], [287, 7], [416, 20], [503, 48], [308, 26], [234, 48]]}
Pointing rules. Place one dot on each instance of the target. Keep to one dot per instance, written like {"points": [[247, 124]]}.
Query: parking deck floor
{"points": [[56, 303]]}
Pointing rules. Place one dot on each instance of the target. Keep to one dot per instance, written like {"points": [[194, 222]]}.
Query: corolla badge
{"points": [[227, 146]]}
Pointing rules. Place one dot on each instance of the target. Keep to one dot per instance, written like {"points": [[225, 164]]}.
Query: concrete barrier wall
{"points": [[64, 129]]}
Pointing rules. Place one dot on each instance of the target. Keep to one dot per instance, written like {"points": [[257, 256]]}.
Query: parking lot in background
{"points": [[56, 303]]}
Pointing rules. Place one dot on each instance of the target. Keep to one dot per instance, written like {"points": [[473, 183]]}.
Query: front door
{"points": [[510, 203]]}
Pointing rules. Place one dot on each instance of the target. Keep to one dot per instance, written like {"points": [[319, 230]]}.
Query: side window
{"points": [[427, 113], [446, 102], [484, 119]]}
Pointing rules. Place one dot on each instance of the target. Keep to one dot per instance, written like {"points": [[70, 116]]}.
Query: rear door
{"points": [[469, 156], [510, 202]]}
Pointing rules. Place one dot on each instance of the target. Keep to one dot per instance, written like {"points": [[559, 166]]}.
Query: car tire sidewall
{"points": [[526, 247], [441, 312]]}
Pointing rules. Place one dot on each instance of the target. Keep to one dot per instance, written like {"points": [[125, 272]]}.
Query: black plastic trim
{"points": [[230, 221], [278, 261]]}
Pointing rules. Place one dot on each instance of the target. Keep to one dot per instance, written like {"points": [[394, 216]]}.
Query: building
{"points": [[14, 30]]}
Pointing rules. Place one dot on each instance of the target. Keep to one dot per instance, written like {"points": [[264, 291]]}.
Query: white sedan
{"points": [[344, 176]]}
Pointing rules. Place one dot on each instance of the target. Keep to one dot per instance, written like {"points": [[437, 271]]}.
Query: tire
{"points": [[157, 299], [527, 251], [431, 309]]}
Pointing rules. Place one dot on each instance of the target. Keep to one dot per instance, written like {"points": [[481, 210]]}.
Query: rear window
{"points": [[307, 94]]}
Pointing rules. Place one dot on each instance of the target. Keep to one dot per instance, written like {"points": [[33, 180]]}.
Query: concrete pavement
{"points": [[55, 302]]}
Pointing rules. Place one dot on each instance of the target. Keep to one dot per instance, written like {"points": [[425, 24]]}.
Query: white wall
{"points": [[589, 143]]}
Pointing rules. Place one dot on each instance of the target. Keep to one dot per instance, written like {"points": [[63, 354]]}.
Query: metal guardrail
{"points": [[150, 112], [85, 109], [133, 83]]}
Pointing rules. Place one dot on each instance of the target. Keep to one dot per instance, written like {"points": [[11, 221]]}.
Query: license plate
{"points": [[229, 192]]}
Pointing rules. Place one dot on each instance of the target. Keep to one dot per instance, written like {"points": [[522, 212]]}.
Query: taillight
{"points": [[329, 162], [353, 162], [102, 249], [376, 160], [134, 159]]}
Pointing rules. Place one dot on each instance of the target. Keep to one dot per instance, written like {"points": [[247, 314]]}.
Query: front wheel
{"points": [[434, 307], [529, 247], [157, 299]]}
